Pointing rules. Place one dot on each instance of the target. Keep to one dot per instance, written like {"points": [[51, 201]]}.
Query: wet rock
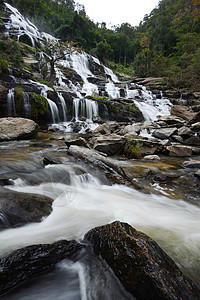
{"points": [[17, 128], [22, 208], [192, 164], [106, 166], [152, 157], [29, 262], [164, 133], [177, 138], [179, 150], [5, 181], [49, 161], [144, 269], [41, 145], [183, 112], [78, 142], [110, 145], [98, 119]]}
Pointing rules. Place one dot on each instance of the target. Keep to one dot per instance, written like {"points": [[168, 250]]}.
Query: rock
{"points": [[97, 119], [196, 126], [183, 112], [185, 132], [179, 150], [110, 145], [196, 118], [78, 142], [102, 129], [164, 133], [152, 157], [22, 208], [5, 181], [49, 161], [29, 262], [192, 164], [177, 138], [171, 120], [16, 128], [144, 269], [197, 174], [195, 140], [108, 167]]}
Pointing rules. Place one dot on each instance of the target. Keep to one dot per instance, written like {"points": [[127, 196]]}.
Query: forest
{"points": [[165, 44]]}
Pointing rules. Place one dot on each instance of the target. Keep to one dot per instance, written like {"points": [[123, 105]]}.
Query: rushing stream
{"points": [[82, 202]]}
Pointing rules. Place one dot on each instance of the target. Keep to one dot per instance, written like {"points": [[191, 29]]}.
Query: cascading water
{"points": [[27, 104], [64, 107], [85, 108], [11, 102]]}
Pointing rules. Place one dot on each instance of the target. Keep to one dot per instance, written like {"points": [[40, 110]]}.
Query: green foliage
{"points": [[104, 98], [48, 83], [39, 105], [132, 107], [132, 148], [3, 66]]}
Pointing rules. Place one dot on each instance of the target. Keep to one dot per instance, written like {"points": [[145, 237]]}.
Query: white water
{"points": [[11, 102], [64, 107], [77, 208]]}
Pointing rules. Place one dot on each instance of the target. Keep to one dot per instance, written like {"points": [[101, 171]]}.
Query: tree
{"points": [[55, 50]]}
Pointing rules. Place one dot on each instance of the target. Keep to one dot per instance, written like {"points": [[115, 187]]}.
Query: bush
{"points": [[132, 148]]}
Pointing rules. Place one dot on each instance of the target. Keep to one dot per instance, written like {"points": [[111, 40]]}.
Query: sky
{"points": [[118, 11]]}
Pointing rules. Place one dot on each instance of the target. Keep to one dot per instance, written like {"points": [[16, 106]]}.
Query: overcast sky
{"points": [[118, 11]]}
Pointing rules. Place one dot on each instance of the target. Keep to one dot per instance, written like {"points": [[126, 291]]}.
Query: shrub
{"points": [[3, 66], [132, 148]]}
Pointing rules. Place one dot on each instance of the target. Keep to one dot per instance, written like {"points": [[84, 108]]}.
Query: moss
{"points": [[1, 21], [132, 148], [3, 66], [132, 107], [48, 83], [39, 105]]}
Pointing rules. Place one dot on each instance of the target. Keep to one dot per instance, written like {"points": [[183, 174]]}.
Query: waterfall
{"points": [[112, 90], [27, 105], [54, 111], [76, 103], [63, 106], [11, 102], [52, 105], [86, 108]]}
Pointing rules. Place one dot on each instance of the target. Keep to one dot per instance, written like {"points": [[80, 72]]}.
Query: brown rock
{"points": [[179, 150], [183, 112], [144, 269]]}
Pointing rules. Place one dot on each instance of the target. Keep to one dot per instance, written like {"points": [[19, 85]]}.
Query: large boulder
{"points": [[18, 209], [144, 269], [17, 128], [27, 263]]}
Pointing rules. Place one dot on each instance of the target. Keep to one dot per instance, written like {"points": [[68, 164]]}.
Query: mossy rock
{"points": [[4, 66], [39, 105]]}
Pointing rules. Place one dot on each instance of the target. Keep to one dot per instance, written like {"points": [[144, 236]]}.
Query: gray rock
{"points": [[78, 142], [164, 133], [102, 129], [16, 128]]}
